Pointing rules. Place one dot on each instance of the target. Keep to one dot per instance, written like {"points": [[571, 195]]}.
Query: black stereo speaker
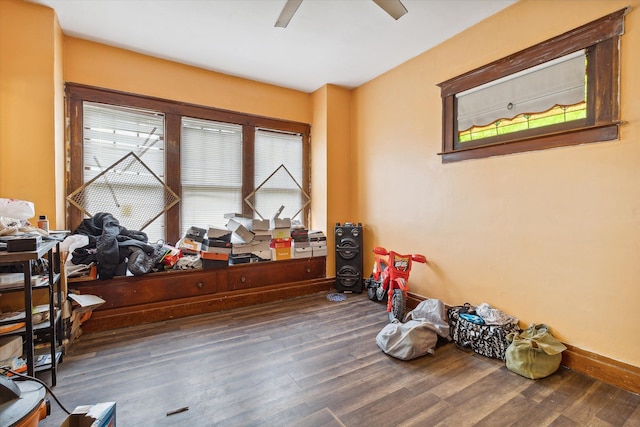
{"points": [[349, 267]]}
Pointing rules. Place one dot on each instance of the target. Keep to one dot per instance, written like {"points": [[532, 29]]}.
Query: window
{"points": [[110, 133], [561, 92], [279, 174], [211, 166], [212, 159]]}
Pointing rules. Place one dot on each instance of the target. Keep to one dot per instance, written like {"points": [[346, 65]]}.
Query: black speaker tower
{"points": [[349, 267]]}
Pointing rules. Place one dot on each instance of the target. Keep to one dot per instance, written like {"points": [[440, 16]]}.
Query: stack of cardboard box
{"points": [[280, 237], [250, 241], [216, 248], [301, 247], [247, 239], [318, 242]]}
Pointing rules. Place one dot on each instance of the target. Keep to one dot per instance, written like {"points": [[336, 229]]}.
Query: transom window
{"points": [[545, 95], [564, 91], [213, 160]]}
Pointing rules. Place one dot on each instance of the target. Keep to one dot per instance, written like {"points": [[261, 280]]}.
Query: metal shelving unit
{"points": [[48, 359]]}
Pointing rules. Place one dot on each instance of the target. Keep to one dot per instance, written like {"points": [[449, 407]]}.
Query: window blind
{"points": [[211, 172], [535, 90], [273, 149], [111, 132]]}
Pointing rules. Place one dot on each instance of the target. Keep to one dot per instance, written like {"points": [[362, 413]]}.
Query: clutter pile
{"points": [[418, 335], [485, 335], [17, 234], [247, 240], [533, 353], [100, 248]]}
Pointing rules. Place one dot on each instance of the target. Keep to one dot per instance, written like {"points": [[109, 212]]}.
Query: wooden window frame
{"points": [[601, 39], [76, 94]]}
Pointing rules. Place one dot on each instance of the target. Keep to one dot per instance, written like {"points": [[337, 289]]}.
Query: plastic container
{"points": [[43, 223]]}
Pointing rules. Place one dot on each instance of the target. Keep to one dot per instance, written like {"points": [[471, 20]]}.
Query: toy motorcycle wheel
{"points": [[381, 293], [372, 287], [398, 305]]}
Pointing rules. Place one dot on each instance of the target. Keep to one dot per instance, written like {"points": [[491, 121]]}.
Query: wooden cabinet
{"points": [[274, 272], [47, 331], [160, 296]]}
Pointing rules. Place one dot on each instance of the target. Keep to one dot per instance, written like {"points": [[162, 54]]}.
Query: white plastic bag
{"points": [[16, 209]]}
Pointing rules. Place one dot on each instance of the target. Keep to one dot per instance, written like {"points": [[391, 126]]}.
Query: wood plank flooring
{"points": [[309, 361]]}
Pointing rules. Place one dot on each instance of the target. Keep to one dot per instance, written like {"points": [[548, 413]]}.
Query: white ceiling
{"points": [[342, 42]]}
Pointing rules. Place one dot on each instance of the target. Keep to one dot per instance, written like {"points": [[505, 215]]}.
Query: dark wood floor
{"points": [[313, 362]]}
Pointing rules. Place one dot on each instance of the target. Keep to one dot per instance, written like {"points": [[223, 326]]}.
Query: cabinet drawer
{"points": [[128, 291], [174, 285], [274, 272]]}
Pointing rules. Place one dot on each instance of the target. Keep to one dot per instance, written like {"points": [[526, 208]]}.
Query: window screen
{"points": [[278, 157], [110, 133]]}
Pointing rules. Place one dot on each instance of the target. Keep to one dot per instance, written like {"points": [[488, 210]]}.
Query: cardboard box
{"points": [[82, 308], [98, 415], [280, 243], [247, 248], [278, 254], [260, 245], [240, 248], [212, 256], [264, 255], [10, 347], [196, 234], [297, 252], [318, 243], [315, 234], [216, 246], [214, 263], [280, 223], [220, 234], [262, 235], [240, 259], [319, 250], [281, 233], [260, 225], [253, 224], [85, 302], [300, 234], [235, 215], [240, 230], [189, 246], [22, 243]]}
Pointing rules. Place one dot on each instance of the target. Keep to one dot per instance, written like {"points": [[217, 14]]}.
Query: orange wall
{"points": [[31, 107], [320, 159], [331, 178], [109, 67], [549, 236]]}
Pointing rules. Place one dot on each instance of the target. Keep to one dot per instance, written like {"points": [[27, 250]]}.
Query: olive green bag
{"points": [[534, 353]]}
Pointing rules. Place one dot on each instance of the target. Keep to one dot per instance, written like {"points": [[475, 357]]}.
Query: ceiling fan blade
{"points": [[395, 8], [287, 13]]}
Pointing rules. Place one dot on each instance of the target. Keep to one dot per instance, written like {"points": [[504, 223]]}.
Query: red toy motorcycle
{"points": [[389, 280]]}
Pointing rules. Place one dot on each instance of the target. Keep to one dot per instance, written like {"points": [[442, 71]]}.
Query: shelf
{"points": [[17, 257], [37, 282], [42, 359], [43, 331]]}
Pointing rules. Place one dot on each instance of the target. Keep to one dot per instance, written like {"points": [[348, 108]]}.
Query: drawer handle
{"points": [[308, 270], [242, 280], [200, 285]]}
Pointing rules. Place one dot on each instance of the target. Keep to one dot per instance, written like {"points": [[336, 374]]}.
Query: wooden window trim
{"points": [[76, 94], [601, 39]]}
